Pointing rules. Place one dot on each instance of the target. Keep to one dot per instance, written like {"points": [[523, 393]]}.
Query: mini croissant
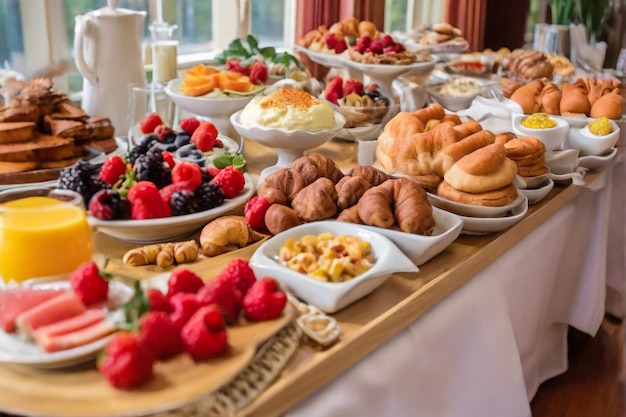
{"points": [[162, 254]]}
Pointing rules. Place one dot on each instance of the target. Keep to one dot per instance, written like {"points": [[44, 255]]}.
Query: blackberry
{"points": [[141, 147], [184, 202], [109, 205], [81, 177], [209, 195], [206, 176], [150, 167]]}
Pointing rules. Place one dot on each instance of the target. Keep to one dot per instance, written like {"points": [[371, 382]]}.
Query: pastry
{"points": [[574, 98], [550, 99], [495, 198], [368, 173], [316, 201], [162, 254], [349, 191], [281, 186], [317, 165], [225, 233], [528, 96], [609, 105], [279, 218], [530, 65]]}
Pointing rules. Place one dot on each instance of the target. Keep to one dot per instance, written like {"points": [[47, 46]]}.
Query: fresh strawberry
{"points": [[142, 210], [340, 45], [352, 86], [387, 40], [189, 125], [150, 122], [112, 169], [212, 171], [126, 363], [182, 280], [393, 49], [160, 334], [163, 131], [89, 284], [204, 335], [143, 190], [204, 136], [231, 180], [184, 306], [238, 273], [235, 66], [334, 90], [254, 211], [264, 300], [158, 301], [376, 47], [218, 143], [225, 295], [258, 73], [168, 158], [188, 174]]}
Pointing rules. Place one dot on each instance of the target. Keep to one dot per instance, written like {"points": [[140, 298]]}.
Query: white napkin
{"points": [[589, 57]]}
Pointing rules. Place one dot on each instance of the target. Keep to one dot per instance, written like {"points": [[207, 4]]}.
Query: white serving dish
{"points": [[562, 162], [472, 210], [16, 350], [329, 60], [230, 147], [455, 103], [597, 162], [590, 144], [169, 228], [207, 106], [419, 248], [484, 225], [575, 121], [331, 297], [533, 182], [552, 138], [535, 195]]}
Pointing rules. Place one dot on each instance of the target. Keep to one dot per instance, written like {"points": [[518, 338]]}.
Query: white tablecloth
{"points": [[484, 350]]}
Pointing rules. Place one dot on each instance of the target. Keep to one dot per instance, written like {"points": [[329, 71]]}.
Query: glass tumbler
{"points": [[145, 99]]}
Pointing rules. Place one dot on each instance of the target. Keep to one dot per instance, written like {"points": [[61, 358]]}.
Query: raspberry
{"points": [[183, 280], [264, 300], [187, 173], [126, 363], [204, 335], [184, 306], [231, 180], [218, 143], [141, 210], [254, 211], [352, 86], [88, 284], [109, 205], [376, 47], [150, 122], [334, 90], [212, 171], [189, 125], [160, 334], [145, 191], [204, 136], [235, 66], [387, 40], [163, 131], [258, 73], [225, 295], [158, 301], [239, 274], [168, 158], [112, 169]]}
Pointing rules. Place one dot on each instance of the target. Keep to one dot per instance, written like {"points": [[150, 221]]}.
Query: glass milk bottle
{"points": [[164, 52]]}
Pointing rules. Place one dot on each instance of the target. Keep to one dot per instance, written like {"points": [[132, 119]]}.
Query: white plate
{"points": [[369, 132], [420, 249], [596, 163], [383, 70], [576, 177], [328, 60], [169, 228], [230, 147], [535, 195], [481, 225], [532, 182], [472, 210], [18, 351], [331, 296]]}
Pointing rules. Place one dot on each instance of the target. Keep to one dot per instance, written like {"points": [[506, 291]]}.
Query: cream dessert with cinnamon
{"points": [[288, 109]]}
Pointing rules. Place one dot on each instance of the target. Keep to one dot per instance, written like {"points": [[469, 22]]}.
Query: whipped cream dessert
{"points": [[288, 109]]}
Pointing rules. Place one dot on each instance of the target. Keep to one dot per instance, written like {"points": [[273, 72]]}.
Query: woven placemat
{"points": [[268, 362]]}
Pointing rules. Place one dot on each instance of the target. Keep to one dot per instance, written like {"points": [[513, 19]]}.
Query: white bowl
{"points": [[552, 138], [579, 121], [533, 182], [590, 144], [419, 248], [482, 225], [455, 103], [597, 162], [328, 60], [206, 106], [562, 162], [535, 195], [331, 296], [472, 210], [169, 228]]}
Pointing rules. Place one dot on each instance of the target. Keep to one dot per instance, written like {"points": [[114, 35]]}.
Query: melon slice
{"points": [[15, 301], [78, 338], [56, 309], [70, 325]]}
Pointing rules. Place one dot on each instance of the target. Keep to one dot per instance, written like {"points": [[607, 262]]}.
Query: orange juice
{"points": [[42, 236]]}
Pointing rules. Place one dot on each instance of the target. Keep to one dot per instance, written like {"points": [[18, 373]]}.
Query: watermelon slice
{"points": [[56, 309], [78, 338], [15, 301], [70, 325]]}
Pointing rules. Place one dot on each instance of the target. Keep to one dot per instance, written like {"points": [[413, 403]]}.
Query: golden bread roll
{"points": [[523, 146], [279, 218], [527, 97], [453, 153], [496, 198], [550, 99], [609, 105], [483, 170], [574, 98]]}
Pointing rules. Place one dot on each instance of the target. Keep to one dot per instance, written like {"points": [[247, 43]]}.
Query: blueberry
{"points": [[170, 138], [184, 152], [182, 139], [145, 139]]}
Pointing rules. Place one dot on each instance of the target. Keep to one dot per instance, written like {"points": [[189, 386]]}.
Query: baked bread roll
{"points": [[453, 153], [483, 170], [496, 198], [574, 98], [281, 186], [527, 97], [550, 99], [279, 218], [316, 201], [609, 105]]}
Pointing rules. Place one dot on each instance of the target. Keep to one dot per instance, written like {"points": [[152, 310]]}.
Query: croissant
{"points": [[412, 210], [163, 254], [374, 207], [550, 99], [370, 174], [350, 215], [316, 201], [349, 190], [221, 234], [527, 96], [280, 186], [316, 165], [279, 218]]}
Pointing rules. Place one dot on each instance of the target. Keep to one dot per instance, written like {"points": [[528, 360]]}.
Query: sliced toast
{"points": [[53, 147], [16, 132]]}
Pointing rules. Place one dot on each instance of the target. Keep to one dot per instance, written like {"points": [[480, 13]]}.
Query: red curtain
{"points": [[470, 17]]}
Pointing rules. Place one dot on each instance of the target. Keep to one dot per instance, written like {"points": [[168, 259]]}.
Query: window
{"points": [[11, 40]]}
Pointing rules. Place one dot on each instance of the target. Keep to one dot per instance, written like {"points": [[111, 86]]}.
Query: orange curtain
{"points": [[470, 17]]}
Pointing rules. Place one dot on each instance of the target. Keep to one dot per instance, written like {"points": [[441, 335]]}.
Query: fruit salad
{"points": [[385, 51], [201, 80], [360, 105]]}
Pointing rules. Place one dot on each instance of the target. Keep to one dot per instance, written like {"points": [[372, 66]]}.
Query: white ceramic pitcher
{"points": [[107, 51]]}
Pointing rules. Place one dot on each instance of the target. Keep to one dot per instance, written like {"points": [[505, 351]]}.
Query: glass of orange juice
{"points": [[43, 232]]}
